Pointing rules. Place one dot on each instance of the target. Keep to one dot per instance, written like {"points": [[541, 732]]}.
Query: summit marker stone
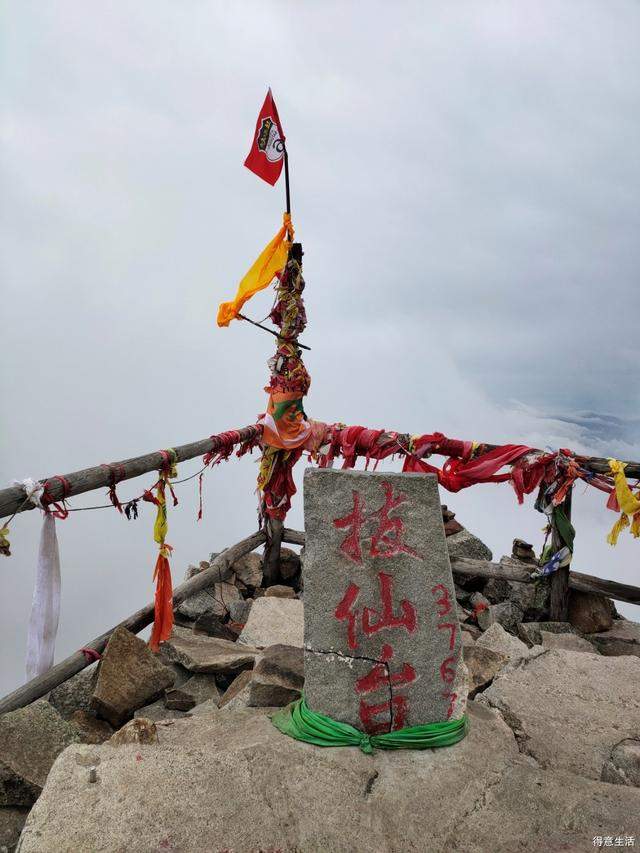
{"points": [[382, 640]]}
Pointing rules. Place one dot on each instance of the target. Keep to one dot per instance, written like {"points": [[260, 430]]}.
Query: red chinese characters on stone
{"points": [[449, 664], [369, 621], [372, 621], [397, 706], [387, 540], [351, 547]]}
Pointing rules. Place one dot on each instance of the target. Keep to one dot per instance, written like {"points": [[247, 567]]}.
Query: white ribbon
{"points": [[45, 606]]}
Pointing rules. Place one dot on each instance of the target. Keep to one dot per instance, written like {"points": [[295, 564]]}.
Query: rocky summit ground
{"points": [[176, 752]]}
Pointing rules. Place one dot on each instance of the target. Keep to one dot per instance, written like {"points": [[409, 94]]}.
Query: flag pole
{"points": [[286, 183], [286, 178]]}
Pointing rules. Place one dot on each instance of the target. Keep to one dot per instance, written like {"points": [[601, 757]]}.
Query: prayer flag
{"points": [[269, 263], [267, 147]]}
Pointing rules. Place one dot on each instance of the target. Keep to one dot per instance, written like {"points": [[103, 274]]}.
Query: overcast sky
{"points": [[465, 181]]}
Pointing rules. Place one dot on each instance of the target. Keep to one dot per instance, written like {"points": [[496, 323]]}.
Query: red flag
{"points": [[267, 149]]}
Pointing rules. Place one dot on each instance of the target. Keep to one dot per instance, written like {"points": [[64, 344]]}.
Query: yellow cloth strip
{"points": [[271, 260], [160, 527], [628, 502]]}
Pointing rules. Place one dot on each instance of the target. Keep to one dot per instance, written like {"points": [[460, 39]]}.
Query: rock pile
{"points": [[555, 731]]}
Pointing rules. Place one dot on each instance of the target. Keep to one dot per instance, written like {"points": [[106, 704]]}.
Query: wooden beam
{"points": [[514, 570], [12, 500], [219, 570], [593, 463]]}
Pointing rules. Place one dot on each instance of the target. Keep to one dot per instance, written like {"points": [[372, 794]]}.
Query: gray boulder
{"points": [[12, 820], [157, 711], [90, 729], [623, 765], [506, 613], [214, 600], [75, 693], [589, 612], [199, 653], [465, 544], [279, 591], [531, 632], [570, 642], [565, 707], [248, 570], [623, 638], [198, 689], [274, 621], [479, 795], [130, 676], [483, 665], [239, 611], [278, 677], [502, 642], [31, 738], [237, 686], [290, 564]]}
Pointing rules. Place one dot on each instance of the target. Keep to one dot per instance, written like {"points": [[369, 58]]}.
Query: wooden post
{"points": [[271, 560], [560, 578], [219, 570]]}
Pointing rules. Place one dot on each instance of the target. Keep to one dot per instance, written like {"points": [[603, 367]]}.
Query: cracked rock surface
{"points": [[206, 774], [569, 709]]}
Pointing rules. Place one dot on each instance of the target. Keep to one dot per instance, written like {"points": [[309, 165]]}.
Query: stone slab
{"points": [[200, 653], [274, 621], [30, 740], [569, 709], [233, 782], [377, 586], [499, 640], [623, 638], [130, 676]]}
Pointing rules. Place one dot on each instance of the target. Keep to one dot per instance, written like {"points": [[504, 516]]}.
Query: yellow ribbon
{"points": [[270, 261], [5, 547], [161, 526], [628, 502]]}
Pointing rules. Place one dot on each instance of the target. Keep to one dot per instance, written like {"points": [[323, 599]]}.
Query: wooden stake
{"points": [[271, 558]]}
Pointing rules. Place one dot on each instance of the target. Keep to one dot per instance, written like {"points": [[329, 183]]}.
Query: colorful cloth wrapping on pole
{"points": [[267, 265], [284, 425]]}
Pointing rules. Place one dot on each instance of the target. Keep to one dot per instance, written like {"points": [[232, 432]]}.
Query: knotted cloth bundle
{"points": [[300, 722]]}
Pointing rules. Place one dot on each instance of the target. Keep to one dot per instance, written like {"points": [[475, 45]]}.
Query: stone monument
{"points": [[382, 641]]}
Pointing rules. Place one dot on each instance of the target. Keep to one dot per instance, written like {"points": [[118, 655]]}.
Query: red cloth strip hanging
{"points": [[116, 475], [224, 449]]}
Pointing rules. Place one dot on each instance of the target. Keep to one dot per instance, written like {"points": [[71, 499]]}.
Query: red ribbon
{"points": [[60, 509]]}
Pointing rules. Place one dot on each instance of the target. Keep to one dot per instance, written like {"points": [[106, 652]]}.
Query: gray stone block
{"points": [[382, 640]]}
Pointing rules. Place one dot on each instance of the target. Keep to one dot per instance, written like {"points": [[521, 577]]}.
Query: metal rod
{"points": [[271, 332]]}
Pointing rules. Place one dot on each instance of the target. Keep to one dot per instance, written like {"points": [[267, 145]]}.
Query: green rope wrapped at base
{"points": [[300, 722]]}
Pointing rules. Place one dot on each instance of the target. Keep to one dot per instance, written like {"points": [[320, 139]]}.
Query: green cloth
{"points": [[565, 528], [300, 722]]}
